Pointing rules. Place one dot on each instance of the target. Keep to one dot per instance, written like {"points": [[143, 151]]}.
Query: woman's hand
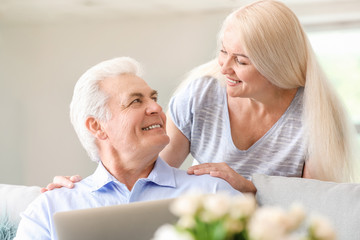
{"points": [[222, 170], [62, 181]]}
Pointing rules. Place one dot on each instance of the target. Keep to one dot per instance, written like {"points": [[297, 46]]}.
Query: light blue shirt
{"points": [[103, 189]]}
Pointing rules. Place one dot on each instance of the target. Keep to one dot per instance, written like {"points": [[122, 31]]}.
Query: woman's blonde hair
{"points": [[276, 44]]}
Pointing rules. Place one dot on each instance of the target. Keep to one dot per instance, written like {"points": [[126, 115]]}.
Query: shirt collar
{"points": [[162, 174], [101, 177]]}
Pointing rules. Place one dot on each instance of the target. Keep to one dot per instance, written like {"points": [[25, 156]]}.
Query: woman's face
{"points": [[243, 79]]}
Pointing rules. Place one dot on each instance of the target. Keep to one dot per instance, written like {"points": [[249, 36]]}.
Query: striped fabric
{"points": [[200, 112]]}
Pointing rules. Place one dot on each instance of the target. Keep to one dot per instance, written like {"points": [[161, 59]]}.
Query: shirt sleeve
{"points": [[35, 222]]}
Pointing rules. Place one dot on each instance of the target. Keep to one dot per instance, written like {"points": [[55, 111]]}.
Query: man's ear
{"points": [[94, 126]]}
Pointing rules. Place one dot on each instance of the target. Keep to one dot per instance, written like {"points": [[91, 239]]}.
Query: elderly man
{"points": [[122, 127]]}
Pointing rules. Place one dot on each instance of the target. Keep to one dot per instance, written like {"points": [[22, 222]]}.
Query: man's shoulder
{"points": [[65, 193], [57, 199], [203, 183], [198, 179]]}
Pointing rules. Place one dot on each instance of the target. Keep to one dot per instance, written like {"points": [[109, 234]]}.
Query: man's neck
{"points": [[128, 172]]}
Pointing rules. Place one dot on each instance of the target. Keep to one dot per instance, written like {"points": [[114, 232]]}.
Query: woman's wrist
{"points": [[248, 187]]}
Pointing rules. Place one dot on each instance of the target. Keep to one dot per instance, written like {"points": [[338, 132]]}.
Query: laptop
{"points": [[133, 221]]}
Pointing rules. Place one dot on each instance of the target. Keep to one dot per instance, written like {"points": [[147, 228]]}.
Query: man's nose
{"points": [[153, 108]]}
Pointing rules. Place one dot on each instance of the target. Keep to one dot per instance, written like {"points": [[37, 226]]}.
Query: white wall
{"points": [[40, 63]]}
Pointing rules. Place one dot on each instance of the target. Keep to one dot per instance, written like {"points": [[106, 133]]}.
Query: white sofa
{"points": [[13, 200], [340, 203]]}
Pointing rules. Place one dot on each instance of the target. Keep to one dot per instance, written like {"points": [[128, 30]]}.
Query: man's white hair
{"points": [[89, 101]]}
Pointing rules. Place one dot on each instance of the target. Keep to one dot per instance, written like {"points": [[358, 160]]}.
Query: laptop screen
{"points": [[132, 221]]}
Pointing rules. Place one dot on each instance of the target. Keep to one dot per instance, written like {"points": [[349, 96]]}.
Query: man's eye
{"points": [[155, 99], [135, 101]]}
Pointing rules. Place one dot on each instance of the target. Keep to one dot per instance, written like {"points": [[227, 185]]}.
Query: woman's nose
{"points": [[226, 65]]}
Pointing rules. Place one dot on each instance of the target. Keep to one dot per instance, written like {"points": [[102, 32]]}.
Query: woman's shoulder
{"points": [[197, 95], [203, 90], [205, 84], [296, 106]]}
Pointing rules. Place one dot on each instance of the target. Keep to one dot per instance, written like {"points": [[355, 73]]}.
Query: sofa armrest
{"points": [[339, 202]]}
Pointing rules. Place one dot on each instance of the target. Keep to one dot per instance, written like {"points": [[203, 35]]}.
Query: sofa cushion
{"points": [[339, 202], [14, 199]]}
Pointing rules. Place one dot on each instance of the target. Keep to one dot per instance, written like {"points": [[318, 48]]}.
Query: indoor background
{"points": [[46, 45]]}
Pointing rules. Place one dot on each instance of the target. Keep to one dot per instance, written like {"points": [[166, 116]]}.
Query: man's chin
{"points": [[159, 142], [165, 141]]}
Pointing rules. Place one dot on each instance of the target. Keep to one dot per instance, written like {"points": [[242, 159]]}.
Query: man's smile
{"points": [[151, 127]]}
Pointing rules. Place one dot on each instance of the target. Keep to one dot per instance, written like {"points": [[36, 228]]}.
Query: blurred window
{"points": [[339, 54]]}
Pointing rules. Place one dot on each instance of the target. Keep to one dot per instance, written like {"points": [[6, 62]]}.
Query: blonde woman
{"points": [[263, 105]]}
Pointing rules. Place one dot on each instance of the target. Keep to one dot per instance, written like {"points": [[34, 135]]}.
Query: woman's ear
{"points": [[95, 128]]}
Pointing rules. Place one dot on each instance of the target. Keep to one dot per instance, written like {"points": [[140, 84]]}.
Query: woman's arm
{"points": [[179, 147]]}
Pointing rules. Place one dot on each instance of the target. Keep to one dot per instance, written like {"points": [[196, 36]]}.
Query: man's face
{"points": [[137, 124]]}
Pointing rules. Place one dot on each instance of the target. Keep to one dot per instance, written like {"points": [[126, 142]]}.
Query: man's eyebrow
{"points": [[135, 94], [154, 92]]}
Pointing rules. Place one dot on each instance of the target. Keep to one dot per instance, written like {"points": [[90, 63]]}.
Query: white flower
{"points": [[268, 223], [167, 231], [215, 206], [321, 228], [186, 205], [233, 225], [186, 221], [210, 215], [296, 216], [242, 206]]}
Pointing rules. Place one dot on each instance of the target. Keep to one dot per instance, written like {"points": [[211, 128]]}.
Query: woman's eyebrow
{"points": [[236, 54], [240, 55]]}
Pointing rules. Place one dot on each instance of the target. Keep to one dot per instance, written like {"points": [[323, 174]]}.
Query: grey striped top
{"points": [[200, 112]]}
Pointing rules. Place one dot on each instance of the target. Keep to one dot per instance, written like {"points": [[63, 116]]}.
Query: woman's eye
{"points": [[237, 60]]}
